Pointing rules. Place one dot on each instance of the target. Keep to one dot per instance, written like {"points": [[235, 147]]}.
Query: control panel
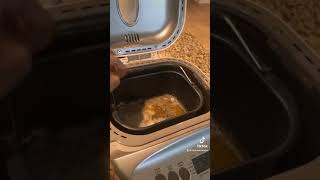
{"points": [[185, 159], [197, 168]]}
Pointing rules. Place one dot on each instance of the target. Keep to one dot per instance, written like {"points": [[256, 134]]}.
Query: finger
{"points": [[117, 67], [113, 59], [121, 69], [30, 24], [14, 67], [114, 81]]}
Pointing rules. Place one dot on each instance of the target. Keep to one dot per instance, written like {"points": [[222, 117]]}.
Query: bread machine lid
{"points": [[145, 26]]}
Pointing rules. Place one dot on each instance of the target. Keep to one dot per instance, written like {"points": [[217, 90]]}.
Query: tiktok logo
{"points": [[201, 145], [202, 140]]}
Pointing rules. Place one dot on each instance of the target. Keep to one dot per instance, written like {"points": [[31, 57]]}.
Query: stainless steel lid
{"points": [[144, 26]]}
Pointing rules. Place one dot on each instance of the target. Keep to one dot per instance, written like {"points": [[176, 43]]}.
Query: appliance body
{"points": [[159, 146], [134, 139], [186, 155]]}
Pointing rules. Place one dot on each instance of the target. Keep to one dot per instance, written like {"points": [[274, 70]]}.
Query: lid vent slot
{"points": [[132, 38]]}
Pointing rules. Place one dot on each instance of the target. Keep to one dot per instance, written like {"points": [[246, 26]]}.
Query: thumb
{"points": [[114, 81]]}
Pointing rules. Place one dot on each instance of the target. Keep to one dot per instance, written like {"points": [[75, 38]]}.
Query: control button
{"points": [[184, 173], [160, 177], [173, 175]]}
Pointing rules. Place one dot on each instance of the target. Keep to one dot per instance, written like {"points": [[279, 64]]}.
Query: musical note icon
{"points": [[202, 140]]}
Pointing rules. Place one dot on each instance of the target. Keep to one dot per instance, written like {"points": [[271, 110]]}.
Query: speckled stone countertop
{"points": [[302, 15], [189, 49]]}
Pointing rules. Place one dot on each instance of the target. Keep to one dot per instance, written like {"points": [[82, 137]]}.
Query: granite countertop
{"points": [[188, 48]]}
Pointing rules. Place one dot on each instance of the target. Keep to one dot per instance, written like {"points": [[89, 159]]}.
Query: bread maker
{"points": [[176, 148]]}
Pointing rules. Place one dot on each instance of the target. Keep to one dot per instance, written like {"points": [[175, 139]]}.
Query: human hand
{"points": [[26, 22], [117, 71], [15, 64], [25, 28]]}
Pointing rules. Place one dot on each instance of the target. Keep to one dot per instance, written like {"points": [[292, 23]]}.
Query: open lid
{"points": [[144, 26]]}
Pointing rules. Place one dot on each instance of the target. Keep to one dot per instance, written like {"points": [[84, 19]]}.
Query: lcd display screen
{"points": [[202, 162]]}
